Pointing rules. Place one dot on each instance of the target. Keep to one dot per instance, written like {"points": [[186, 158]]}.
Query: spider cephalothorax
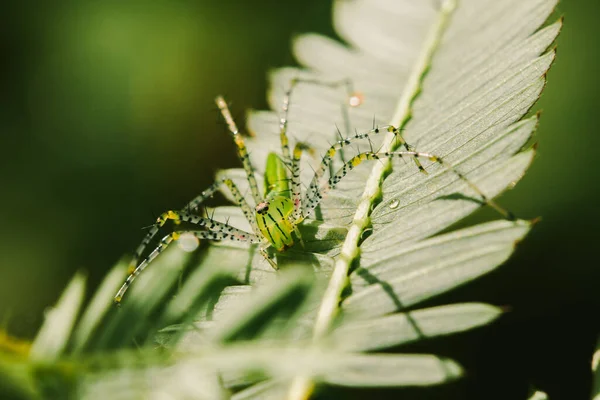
{"points": [[262, 208], [274, 221], [278, 212]]}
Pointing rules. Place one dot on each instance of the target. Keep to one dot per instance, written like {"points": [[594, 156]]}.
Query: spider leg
{"points": [[237, 195], [298, 234], [353, 100], [263, 252], [293, 160], [327, 160], [180, 216], [167, 240], [296, 182], [401, 142], [283, 124], [241, 148], [193, 205], [360, 158]]}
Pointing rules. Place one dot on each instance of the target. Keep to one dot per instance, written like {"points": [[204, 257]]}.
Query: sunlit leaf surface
{"points": [[458, 78]]}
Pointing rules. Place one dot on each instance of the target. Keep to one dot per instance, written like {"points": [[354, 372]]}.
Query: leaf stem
{"points": [[302, 386]]}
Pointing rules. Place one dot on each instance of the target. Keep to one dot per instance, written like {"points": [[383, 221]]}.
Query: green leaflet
{"points": [[400, 328], [397, 284], [98, 307], [54, 334]]}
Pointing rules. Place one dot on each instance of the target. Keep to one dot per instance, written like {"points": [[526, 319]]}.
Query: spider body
{"points": [[275, 217], [274, 221]]}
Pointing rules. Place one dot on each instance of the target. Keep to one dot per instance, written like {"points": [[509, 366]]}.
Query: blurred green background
{"points": [[107, 119]]}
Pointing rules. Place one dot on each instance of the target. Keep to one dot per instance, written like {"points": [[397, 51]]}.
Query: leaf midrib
{"points": [[302, 386]]}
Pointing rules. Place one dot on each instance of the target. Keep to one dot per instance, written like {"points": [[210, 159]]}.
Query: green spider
{"points": [[275, 218]]}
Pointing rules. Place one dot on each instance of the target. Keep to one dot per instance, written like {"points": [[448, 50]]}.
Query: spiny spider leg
{"points": [[208, 223], [241, 148], [216, 231], [164, 243], [294, 160], [359, 158], [192, 206], [283, 124], [354, 100], [265, 254], [296, 182], [313, 188], [401, 142], [181, 216], [237, 196]]}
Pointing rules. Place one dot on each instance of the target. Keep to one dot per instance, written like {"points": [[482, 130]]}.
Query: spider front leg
{"points": [[241, 148], [168, 239], [216, 231], [193, 205]]}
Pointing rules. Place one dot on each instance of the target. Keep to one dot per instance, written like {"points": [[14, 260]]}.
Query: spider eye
{"points": [[262, 208]]}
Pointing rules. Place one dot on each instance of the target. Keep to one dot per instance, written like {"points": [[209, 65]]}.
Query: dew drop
{"points": [[356, 99], [188, 242], [394, 204]]}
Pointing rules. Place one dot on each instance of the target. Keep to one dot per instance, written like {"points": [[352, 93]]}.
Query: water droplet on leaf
{"points": [[355, 100], [188, 242]]}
